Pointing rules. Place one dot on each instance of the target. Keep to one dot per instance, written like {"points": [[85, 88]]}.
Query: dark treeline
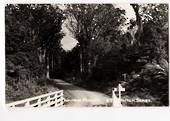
{"points": [[33, 34], [109, 50]]}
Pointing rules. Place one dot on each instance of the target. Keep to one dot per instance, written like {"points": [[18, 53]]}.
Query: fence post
{"points": [[39, 102], [48, 99], [27, 104], [62, 94], [55, 100]]}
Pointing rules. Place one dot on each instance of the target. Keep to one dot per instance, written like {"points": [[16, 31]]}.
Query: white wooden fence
{"points": [[51, 99]]}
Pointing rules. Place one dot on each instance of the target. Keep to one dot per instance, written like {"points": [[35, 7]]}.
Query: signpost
{"points": [[117, 100]]}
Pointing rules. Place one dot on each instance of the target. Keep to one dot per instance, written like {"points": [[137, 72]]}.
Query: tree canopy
{"points": [[33, 34], [104, 53]]}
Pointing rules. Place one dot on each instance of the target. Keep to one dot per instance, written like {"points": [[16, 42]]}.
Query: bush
{"points": [[153, 81]]}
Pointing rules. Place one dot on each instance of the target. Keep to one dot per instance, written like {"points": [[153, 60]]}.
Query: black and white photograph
{"points": [[87, 55]]}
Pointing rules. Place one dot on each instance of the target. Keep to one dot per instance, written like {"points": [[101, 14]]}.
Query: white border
{"points": [[73, 114]]}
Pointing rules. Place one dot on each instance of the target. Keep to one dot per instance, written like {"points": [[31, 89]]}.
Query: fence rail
{"points": [[55, 99]]}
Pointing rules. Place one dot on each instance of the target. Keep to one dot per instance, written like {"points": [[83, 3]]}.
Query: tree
{"points": [[158, 23], [151, 48], [93, 31], [47, 22], [39, 27], [33, 34], [138, 22], [152, 32]]}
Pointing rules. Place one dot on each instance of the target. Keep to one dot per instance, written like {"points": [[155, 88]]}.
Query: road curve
{"points": [[81, 97]]}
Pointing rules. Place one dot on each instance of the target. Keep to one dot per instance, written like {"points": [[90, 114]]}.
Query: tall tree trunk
{"points": [[81, 61], [48, 71], [51, 64], [138, 23], [47, 67], [84, 60]]}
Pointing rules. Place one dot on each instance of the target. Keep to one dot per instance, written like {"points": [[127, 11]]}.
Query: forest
{"points": [[109, 50]]}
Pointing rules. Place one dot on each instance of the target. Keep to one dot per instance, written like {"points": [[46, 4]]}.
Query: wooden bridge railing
{"points": [[51, 99]]}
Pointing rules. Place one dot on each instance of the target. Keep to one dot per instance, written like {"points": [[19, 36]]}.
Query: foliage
{"points": [[152, 50], [94, 32], [104, 51], [131, 55], [32, 32]]}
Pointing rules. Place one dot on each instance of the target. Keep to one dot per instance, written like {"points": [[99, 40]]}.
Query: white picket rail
{"points": [[55, 99]]}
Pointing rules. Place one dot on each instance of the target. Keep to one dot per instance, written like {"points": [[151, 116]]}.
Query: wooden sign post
{"points": [[117, 101], [120, 89]]}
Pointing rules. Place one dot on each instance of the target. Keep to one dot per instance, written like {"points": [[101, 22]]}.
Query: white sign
{"points": [[117, 101]]}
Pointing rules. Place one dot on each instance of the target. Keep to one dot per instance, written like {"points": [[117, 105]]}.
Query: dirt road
{"points": [[81, 97]]}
